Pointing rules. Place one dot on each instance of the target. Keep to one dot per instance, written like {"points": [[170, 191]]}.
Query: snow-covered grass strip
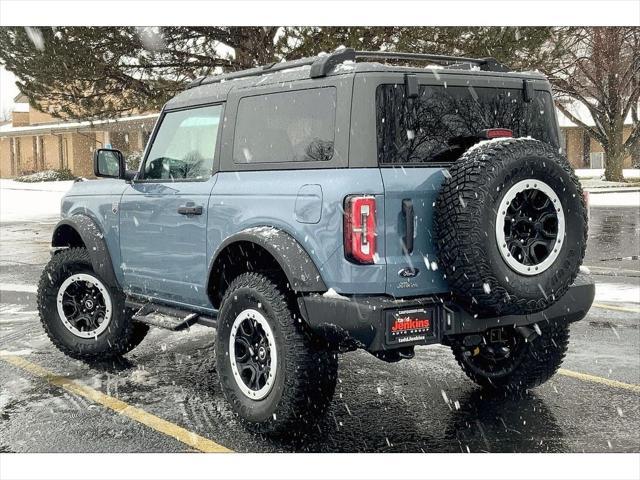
{"points": [[628, 173], [615, 199], [17, 287], [31, 201], [58, 186], [47, 176], [617, 292]]}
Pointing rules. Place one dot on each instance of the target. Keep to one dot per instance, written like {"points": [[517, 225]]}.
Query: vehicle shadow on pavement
{"points": [[498, 422], [484, 423]]}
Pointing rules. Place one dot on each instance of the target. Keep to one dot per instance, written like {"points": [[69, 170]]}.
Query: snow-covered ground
{"points": [[629, 173], [30, 201], [617, 292], [615, 199]]}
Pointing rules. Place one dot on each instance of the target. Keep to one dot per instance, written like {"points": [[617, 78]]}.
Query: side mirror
{"points": [[108, 163]]}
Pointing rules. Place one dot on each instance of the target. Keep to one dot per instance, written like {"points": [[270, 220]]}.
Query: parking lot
{"points": [[164, 396]]}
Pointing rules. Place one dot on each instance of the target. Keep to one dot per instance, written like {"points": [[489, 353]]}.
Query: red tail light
{"points": [[497, 133], [360, 228]]}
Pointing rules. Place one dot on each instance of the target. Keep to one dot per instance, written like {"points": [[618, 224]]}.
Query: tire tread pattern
{"points": [[541, 360], [458, 230], [125, 336], [310, 373]]}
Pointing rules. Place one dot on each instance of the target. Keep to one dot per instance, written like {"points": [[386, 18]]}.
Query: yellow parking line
{"points": [[190, 438], [616, 308], [181, 434], [595, 379]]}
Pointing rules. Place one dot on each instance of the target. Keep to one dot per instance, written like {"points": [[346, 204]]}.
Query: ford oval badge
{"points": [[408, 272]]}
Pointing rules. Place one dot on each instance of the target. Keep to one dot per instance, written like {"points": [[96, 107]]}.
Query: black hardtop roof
{"points": [[216, 88]]}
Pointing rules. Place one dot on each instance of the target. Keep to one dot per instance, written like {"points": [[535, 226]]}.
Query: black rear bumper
{"points": [[362, 321]]}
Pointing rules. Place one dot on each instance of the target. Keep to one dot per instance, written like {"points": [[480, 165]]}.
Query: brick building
{"points": [[35, 141], [582, 150]]}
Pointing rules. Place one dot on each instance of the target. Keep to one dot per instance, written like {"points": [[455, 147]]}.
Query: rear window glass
{"points": [[445, 121], [295, 126]]}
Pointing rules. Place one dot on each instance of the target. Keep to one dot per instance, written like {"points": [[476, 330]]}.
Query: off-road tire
{"points": [[465, 227], [536, 363], [306, 376], [121, 336]]}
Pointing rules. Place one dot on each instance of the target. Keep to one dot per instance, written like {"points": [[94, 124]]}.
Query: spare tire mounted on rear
{"points": [[511, 227]]}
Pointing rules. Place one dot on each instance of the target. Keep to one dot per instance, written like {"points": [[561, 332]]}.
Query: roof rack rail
{"points": [[487, 64], [321, 65]]}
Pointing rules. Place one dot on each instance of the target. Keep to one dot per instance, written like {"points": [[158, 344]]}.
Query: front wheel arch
{"points": [[81, 231]]}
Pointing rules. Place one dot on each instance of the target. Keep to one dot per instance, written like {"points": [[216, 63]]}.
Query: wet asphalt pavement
{"points": [[425, 404]]}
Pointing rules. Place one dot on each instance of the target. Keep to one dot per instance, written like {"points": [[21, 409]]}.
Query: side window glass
{"points": [[297, 126], [185, 144]]}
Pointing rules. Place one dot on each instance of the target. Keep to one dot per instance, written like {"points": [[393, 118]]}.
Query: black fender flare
{"points": [[300, 270], [93, 239]]}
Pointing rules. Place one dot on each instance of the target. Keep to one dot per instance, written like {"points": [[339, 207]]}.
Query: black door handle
{"points": [[407, 212], [190, 209]]}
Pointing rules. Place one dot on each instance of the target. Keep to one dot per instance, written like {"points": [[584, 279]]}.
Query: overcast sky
{"points": [[8, 91]]}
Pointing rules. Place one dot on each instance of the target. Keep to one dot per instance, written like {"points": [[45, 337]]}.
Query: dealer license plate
{"points": [[409, 327]]}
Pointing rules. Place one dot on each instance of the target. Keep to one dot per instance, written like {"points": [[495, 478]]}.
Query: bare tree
{"points": [[5, 114], [601, 70]]}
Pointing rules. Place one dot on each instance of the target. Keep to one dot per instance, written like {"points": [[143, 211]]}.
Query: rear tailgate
{"points": [[418, 138], [412, 272]]}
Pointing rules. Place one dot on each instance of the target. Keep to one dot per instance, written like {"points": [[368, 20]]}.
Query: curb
{"points": [[612, 190]]}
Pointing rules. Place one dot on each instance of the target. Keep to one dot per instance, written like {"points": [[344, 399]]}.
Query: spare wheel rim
{"points": [[530, 227]]}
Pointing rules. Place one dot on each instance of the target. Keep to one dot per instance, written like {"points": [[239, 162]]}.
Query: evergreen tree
{"points": [[521, 48], [97, 72]]}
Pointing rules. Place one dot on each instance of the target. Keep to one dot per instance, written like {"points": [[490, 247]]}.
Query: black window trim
{"points": [[259, 166], [216, 154]]}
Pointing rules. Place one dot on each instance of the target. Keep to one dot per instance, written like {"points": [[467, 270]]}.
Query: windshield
{"points": [[443, 122]]}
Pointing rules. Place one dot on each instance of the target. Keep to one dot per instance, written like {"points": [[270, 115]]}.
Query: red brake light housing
{"points": [[497, 133], [360, 228]]}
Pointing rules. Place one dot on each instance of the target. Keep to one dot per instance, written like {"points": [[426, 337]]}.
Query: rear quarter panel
{"points": [[289, 195], [247, 199]]}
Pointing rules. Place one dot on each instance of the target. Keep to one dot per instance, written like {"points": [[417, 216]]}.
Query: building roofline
{"points": [[49, 128], [581, 112]]}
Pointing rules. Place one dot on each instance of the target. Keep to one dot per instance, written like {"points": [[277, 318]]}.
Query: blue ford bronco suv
{"points": [[318, 206]]}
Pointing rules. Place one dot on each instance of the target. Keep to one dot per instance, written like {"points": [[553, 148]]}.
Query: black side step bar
{"points": [[166, 317]]}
